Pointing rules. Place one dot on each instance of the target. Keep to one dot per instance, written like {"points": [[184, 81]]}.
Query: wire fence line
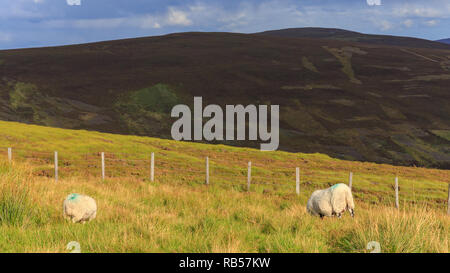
{"points": [[111, 165]]}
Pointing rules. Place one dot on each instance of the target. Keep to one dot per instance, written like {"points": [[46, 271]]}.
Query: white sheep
{"points": [[79, 208], [331, 202]]}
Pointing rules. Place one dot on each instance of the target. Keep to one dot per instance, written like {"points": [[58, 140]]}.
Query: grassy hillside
{"points": [[351, 100], [178, 213]]}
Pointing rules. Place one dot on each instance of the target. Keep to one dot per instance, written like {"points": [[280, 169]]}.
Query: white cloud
{"points": [[383, 24], [146, 22], [428, 9], [417, 11], [73, 2], [21, 9], [177, 17], [408, 23], [431, 23], [264, 16], [173, 17], [374, 2], [247, 17]]}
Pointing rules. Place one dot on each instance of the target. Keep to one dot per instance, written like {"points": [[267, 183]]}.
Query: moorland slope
{"points": [[352, 100]]}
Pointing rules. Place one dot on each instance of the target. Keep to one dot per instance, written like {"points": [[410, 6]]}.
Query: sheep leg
{"points": [[321, 216], [352, 212], [76, 219]]}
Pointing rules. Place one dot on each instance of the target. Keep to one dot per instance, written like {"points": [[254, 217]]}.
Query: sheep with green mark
{"points": [[331, 202], [79, 208]]}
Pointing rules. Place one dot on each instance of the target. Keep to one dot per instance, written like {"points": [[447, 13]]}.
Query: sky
{"points": [[37, 23]]}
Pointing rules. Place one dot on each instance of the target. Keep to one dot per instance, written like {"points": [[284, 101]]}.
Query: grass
{"points": [[344, 57], [178, 213], [309, 65], [445, 134], [14, 202]]}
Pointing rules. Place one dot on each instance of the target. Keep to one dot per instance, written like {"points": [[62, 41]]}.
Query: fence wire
{"points": [[119, 165]]}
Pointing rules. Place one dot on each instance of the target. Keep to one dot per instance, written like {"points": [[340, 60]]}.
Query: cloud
{"points": [[383, 24], [417, 11], [44, 22], [145, 22], [431, 23], [73, 2], [374, 2], [432, 9], [386, 25], [408, 23], [178, 17], [21, 9], [173, 17], [245, 17], [266, 15]]}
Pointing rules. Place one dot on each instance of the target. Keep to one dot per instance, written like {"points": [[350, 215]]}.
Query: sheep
{"points": [[79, 208], [331, 202]]}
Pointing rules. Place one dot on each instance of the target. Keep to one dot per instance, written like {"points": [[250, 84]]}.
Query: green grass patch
{"points": [[179, 213]]}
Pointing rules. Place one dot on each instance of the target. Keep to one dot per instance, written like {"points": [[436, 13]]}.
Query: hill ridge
{"points": [[355, 101], [348, 35]]}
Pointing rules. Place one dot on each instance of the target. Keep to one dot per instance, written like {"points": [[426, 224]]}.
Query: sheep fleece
{"points": [[79, 208], [331, 201]]}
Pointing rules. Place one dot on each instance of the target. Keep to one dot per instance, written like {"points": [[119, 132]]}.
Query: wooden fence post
{"points": [[56, 166], [350, 180], [103, 166], [152, 168], [10, 155], [207, 171], [396, 193], [249, 175], [448, 201], [297, 180]]}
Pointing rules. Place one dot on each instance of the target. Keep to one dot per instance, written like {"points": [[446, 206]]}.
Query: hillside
{"points": [[179, 213], [352, 36], [367, 102], [183, 162], [445, 41]]}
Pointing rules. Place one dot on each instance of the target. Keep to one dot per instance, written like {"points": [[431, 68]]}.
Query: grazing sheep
{"points": [[331, 202], [79, 208]]}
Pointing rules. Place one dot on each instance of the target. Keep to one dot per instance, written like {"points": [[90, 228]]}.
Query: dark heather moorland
{"points": [[345, 94]]}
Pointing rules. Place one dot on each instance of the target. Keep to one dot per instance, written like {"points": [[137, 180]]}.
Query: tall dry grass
{"points": [[135, 215]]}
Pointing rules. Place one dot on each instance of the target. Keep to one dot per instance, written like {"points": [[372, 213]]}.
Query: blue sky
{"points": [[34, 23]]}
